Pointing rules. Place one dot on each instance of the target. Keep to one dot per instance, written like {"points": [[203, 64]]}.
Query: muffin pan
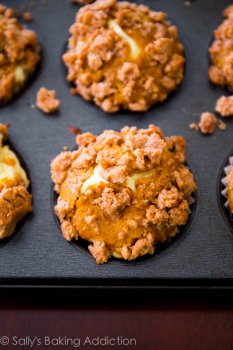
{"points": [[202, 255]]}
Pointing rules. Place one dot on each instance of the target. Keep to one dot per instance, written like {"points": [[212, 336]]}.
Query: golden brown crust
{"points": [[15, 200], [221, 70], [230, 188], [114, 73], [46, 100], [123, 191], [19, 54]]}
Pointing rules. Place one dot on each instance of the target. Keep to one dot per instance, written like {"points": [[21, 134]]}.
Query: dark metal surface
{"points": [[38, 255]]}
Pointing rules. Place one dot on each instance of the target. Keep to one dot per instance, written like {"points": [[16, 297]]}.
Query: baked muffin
{"points": [[123, 55], [123, 191], [19, 55], [230, 189], [15, 200], [221, 69]]}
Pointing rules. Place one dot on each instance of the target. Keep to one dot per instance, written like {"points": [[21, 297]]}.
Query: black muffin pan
{"points": [[202, 255]]}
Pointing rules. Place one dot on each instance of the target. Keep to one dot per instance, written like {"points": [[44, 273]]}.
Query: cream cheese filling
{"points": [[10, 166], [95, 179], [135, 49], [20, 76]]}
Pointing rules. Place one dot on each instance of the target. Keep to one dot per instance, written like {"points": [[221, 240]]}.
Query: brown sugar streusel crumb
{"points": [[221, 125], [123, 56], [207, 123], [27, 16], [193, 126], [224, 106], [123, 191], [221, 69], [19, 55], [15, 200], [46, 101]]}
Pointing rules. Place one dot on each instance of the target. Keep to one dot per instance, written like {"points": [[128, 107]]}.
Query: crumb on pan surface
{"points": [[15, 200], [221, 69], [224, 106], [207, 123], [19, 55], [46, 100], [123, 55], [230, 188], [123, 191], [81, 2]]}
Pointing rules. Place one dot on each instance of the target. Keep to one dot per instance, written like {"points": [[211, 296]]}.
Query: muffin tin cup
{"points": [[201, 255], [223, 190], [160, 248]]}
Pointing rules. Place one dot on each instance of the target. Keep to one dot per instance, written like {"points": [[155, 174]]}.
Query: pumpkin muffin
{"points": [[19, 55], [15, 200], [221, 69], [123, 191], [123, 56], [230, 189]]}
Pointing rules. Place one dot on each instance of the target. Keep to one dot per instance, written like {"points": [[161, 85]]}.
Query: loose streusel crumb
{"points": [[19, 54], [193, 126], [123, 55], [221, 70], [207, 123], [46, 100], [81, 2], [221, 125], [123, 191], [27, 16], [224, 106]]}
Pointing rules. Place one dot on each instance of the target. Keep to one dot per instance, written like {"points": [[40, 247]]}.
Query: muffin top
{"points": [[15, 200], [123, 55], [123, 191], [221, 69], [19, 54]]}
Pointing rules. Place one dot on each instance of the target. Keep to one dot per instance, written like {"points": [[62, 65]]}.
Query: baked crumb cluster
{"points": [[207, 123], [46, 100], [230, 189], [15, 200], [224, 106], [123, 191], [19, 54], [221, 70], [123, 55]]}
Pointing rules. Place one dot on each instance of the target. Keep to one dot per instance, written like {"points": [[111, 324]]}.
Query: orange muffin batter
{"points": [[19, 55], [123, 55], [230, 189], [15, 200], [221, 70], [123, 191]]}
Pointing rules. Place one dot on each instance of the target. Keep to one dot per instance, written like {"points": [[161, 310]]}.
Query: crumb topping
{"points": [[221, 69], [123, 55], [15, 200], [103, 207], [19, 54]]}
